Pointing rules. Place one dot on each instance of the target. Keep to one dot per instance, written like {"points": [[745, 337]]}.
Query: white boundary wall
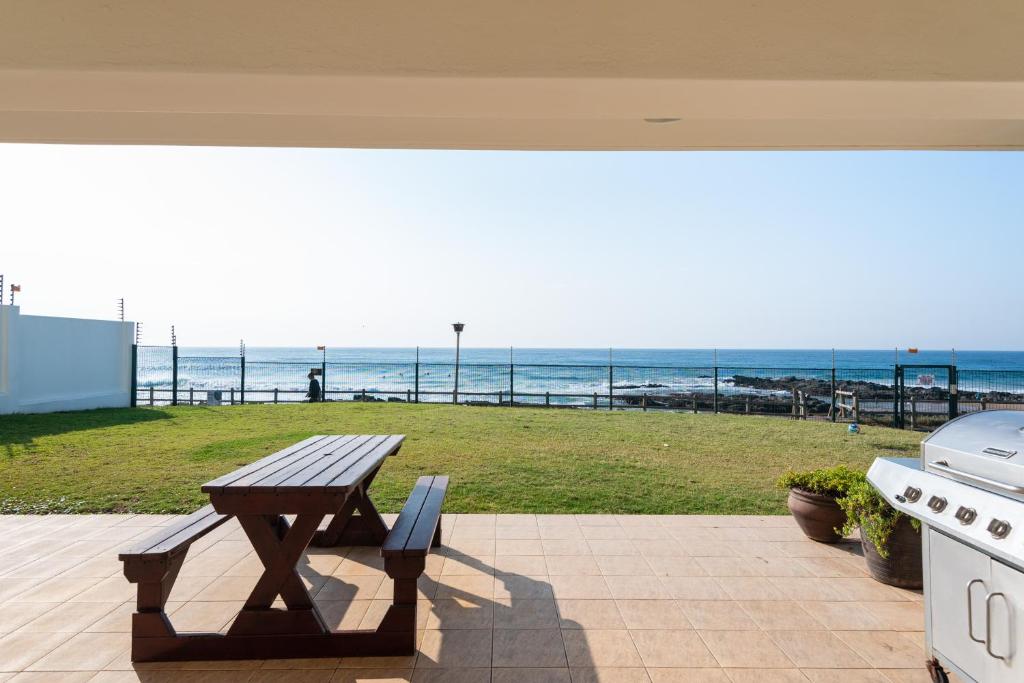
{"points": [[50, 364]]}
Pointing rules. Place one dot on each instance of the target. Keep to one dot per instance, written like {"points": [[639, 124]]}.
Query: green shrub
{"points": [[865, 508], [828, 481]]}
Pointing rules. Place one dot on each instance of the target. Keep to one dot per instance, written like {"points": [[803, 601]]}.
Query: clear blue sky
{"points": [[365, 248]]}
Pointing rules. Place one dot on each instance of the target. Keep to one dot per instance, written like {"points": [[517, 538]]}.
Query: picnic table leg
{"points": [[400, 619], [279, 547], [155, 580], [347, 528]]}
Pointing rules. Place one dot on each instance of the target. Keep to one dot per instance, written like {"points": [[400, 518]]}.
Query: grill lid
{"points": [[984, 449]]}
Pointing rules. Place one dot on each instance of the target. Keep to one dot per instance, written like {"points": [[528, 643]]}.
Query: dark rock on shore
{"points": [[814, 387]]}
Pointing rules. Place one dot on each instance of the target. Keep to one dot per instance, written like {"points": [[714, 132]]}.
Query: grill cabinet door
{"points": [[953, 565], [1007, 615]]}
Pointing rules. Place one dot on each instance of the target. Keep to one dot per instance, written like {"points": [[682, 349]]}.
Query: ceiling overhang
{"points": [[786, 74]]}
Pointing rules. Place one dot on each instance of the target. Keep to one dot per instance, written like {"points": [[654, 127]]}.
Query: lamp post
{"points": [[458, 327]]}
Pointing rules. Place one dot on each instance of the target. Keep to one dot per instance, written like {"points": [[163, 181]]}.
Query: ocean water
{"points": [[580, 373], [752, 358]]}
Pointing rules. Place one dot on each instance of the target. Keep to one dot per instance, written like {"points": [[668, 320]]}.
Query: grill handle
{"points": [[970, 612], [988, 623], [943, 466]]}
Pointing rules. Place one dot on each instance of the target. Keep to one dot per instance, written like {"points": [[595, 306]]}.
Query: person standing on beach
{"points": [[314, 389]]}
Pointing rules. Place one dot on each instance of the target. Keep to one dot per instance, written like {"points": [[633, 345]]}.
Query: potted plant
{"points": [[812, 500], [891, 540]]}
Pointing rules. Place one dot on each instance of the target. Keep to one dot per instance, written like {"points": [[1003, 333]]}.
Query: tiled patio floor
{"points": [[509, 599]]}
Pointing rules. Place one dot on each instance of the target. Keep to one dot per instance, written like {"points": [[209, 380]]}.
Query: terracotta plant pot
{"points": [[817, 514], [903, 566]]}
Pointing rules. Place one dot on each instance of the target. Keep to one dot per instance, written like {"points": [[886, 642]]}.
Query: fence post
{"points": [[954, 396], [747, 406], [832, 410], [408, 396], [595, 400], [856, 408], [363, 399], [695, 405], [715, 403], [897, 397], [323, 380], [232, 396], [417, 380], [796, 414], [501, 397], [134, 400], [275, 394], [174, 375], [191, 397], [511, 384], [903, 398], [611, 377], [643, 402], [913, 413], [243, 381], [150, 394], [547, 399]]}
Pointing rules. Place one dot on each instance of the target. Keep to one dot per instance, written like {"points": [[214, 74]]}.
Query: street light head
{"points": [[458, 327]]}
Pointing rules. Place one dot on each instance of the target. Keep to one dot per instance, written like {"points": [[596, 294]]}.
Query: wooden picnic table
{"points": [[323, 475], [317, 477], [320, 476]]}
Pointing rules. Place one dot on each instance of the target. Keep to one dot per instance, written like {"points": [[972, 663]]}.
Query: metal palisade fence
{"points": [[911, 396]]}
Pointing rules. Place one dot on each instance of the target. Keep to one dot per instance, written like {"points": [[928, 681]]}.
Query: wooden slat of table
{"points": [[352, 476], [313, 454], [326, 463], [303, 480], [309, 463], [226, 479], [349, 472], [295, 479]]}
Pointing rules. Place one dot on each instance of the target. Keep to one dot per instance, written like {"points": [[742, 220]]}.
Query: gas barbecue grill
{"points": [[968, 491]]}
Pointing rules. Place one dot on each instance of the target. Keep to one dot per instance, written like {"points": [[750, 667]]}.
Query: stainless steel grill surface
{"points": [[968, 491]]}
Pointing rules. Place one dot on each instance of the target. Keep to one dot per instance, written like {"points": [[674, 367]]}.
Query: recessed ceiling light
{"points": [[661, 120]]}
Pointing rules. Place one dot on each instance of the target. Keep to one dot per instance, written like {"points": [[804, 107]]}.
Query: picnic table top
{"points": [[331, 464]]}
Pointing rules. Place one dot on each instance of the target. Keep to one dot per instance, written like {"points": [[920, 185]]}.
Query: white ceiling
{"points": [[531, 74]]}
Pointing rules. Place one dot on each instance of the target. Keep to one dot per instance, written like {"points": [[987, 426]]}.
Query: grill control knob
{"points": [[912, 494], [937, 504], [999, 528], [966, 515]]}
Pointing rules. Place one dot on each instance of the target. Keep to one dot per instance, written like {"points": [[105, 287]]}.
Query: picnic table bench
{"points": [[323, 475]]}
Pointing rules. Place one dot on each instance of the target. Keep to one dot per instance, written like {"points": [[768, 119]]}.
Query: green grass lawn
{"points": [[500, 460]]}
